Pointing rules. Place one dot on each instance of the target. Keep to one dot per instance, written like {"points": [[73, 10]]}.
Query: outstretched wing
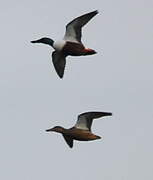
{"points": [[59, 61], [85, 119], [73, 29], [69, 140]]}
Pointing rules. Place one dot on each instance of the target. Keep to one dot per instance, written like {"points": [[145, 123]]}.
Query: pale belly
{"points": [[59, 45]]}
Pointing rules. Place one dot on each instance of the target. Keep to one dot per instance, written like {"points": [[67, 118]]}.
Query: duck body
{"points": [[80, 135], [72, 48], [77, 49], [71, 43]]}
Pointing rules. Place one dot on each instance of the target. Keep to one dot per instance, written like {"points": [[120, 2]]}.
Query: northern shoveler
{"points": [[71, 43], [82, 129]]}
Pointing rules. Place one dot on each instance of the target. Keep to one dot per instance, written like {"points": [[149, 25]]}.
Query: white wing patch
{"points": [[71, 39], [82, 123]]}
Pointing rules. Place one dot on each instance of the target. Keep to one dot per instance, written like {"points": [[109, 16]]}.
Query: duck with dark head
{"points": [[71, 43]]}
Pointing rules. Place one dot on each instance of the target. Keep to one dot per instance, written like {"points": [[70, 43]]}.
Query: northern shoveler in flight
{"points": [[82, 129], [71, 43]]}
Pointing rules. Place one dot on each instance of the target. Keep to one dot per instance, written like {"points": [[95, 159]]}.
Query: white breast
{"points": [[58, 45]]}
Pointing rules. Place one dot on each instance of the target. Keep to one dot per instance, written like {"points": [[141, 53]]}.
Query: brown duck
{"points": [[82, 129]]}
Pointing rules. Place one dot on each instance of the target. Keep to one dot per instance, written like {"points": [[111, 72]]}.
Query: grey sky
{"points": [[117, 79]]}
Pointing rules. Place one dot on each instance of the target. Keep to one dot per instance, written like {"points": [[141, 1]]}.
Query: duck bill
{"points": [[51, 129], [37, 41]]}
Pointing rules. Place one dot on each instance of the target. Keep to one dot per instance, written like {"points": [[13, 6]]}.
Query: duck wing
{"points": [[85, 119], [68, 140], [73, 29], [59, 61]]}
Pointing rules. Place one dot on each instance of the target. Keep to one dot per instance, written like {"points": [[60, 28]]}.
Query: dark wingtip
{"points": [[93, 13], [109, 114], [47, 130], [96, 11], [60, 75]]}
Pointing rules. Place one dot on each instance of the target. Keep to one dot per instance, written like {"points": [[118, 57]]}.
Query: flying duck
{"points": [[82, 129], [71, 43]]}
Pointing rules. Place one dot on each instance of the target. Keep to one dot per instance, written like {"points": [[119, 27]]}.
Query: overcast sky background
{"points": [[118, 79]]}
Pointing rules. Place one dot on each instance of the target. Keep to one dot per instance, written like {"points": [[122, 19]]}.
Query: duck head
{"points": [[57, 129], [44, 40]]}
